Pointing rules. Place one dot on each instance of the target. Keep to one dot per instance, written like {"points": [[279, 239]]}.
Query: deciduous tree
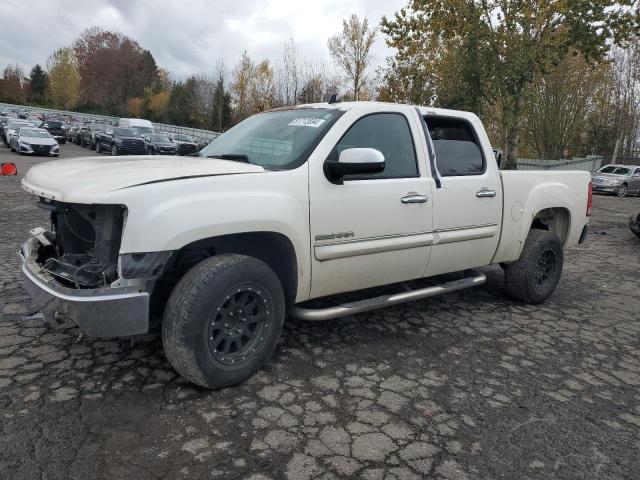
{"points": [[64, 78], [515, 41], [351, 50], [12, 84]]}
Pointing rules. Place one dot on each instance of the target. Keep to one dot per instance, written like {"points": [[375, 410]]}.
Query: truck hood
{"points": [[64, 180]]}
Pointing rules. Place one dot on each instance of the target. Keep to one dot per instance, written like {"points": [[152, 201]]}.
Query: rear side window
{"points": [[456, 147], [390, 134]]}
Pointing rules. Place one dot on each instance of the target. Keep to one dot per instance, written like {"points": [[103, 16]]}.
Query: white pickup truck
{"points": [[288, 206]]}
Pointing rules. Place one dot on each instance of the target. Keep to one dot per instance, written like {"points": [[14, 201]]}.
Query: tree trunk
{"points": [[511, 149], [512, 119]]}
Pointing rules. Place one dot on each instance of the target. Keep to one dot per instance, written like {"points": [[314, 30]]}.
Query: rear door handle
{"points": [[414, 199], [485, 193]]}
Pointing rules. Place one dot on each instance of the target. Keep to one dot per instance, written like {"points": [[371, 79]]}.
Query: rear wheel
{"points": [[98, 148], [534, 276], [114, 150], [223, 320]]}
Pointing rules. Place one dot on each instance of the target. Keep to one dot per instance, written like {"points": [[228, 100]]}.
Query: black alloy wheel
{"points": [[238, 323]]}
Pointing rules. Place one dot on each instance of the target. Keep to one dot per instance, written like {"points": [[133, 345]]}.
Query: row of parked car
{"points": [[131, 137], [26, 136], [127, 136]]}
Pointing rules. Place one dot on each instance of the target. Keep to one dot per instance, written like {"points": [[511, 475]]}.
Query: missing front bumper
{"points": [[101, 312]]}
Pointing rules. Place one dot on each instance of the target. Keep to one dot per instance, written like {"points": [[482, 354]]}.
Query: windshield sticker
{"points": [[307, 122]]}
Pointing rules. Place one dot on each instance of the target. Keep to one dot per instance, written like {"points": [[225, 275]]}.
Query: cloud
{"points": [[189, 36]]}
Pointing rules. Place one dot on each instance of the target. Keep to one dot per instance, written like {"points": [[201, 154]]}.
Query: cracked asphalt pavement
{"points": [[464, 386]]}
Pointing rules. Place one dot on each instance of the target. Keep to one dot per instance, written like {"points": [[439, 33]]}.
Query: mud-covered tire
{"points": [[200, 305], [534, 276]]}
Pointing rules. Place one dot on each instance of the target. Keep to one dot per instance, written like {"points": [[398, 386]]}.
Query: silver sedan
{"points": [[617, 179]]}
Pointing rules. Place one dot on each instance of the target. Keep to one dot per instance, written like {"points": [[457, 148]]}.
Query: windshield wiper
{"points": [[231, 156]]}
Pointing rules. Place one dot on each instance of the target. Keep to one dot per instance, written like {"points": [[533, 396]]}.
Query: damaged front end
{"points": [[82, 249], [71, 271]]}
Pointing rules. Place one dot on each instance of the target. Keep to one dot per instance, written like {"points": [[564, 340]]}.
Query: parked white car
{"points": [[12, 128], [34, 141], [288, 206]]}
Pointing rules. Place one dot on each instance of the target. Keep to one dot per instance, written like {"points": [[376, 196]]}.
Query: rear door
{"points": [[467, 207]]}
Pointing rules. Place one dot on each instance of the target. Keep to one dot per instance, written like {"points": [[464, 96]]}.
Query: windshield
{"points": [[98, 127], [141, 131], [124, 132], [183, 138], [160, 138], [54, 124], [612, 169], [279, 139], [26, 132]]}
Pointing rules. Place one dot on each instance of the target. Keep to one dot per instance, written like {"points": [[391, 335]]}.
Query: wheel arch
{"points": [[553, 219], [273, 248]]}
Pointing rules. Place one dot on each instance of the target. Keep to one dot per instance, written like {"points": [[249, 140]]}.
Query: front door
{"points": [[375, 229]]}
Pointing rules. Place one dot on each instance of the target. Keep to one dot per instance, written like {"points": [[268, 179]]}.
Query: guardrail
{"points": [[589, 163], [162, 127]]}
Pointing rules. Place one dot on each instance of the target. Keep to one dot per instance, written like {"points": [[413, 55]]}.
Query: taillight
{"points": [[8, 169], [589, 199]]}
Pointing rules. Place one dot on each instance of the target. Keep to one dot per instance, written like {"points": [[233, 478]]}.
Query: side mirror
{"points": [[355, 161]]}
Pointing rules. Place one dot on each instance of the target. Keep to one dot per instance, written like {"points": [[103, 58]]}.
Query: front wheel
{"points": [[534, 276], [622, 190], [98, 148], [223, 320], [114, 150]]}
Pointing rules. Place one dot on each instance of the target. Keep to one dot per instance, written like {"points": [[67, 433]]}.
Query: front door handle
{"points": [[414, 199], [485, 193]]}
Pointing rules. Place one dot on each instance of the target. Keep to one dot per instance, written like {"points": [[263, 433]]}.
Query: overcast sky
{"points": [[186, 36]]}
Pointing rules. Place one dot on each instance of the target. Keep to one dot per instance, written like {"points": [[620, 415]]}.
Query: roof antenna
{"points": [[334, 98]]}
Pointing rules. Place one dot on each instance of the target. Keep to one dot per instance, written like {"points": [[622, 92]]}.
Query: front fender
{"points": [[166, 216]]}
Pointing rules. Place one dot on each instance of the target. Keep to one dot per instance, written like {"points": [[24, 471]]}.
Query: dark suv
{"points": [[54, 127], [159, 144], [88, 135], [185, 144], [120, 141]]}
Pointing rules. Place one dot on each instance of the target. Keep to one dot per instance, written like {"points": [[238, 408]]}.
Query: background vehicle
{"points": [[286, 207], [120, 141], [34, 141], [88, 135], [140, 126], [12, 127], [71, 131], [184, 143], [4, 120], [159, 144], [634, 224], [618, 179], [54, 127]]}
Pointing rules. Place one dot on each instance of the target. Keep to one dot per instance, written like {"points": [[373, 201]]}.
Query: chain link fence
{"points": [[589, 163]]}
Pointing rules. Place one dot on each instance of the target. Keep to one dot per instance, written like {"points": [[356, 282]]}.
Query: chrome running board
{"points": [[319, 314]]}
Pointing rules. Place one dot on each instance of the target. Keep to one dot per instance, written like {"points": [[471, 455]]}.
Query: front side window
{"points": [[456, 147], [390, 134], [274, 140]]}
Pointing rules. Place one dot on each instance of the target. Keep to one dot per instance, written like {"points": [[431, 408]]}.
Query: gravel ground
{"points": [[469, 385]]}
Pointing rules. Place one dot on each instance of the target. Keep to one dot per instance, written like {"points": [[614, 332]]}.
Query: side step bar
{"points": [[320, 314]]}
